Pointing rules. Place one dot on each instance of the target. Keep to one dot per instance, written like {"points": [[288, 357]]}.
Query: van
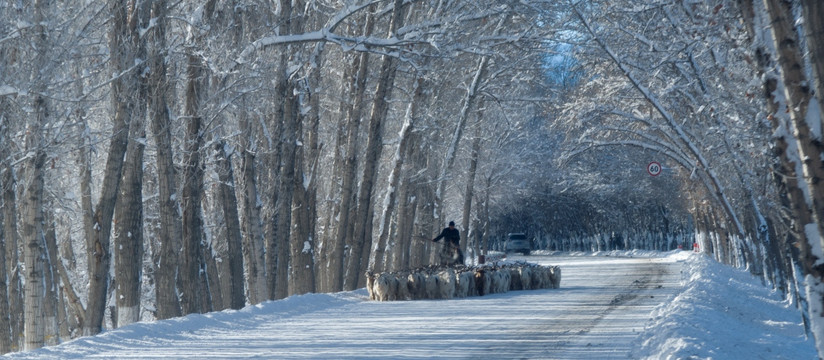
{"points": [[517, 243]]}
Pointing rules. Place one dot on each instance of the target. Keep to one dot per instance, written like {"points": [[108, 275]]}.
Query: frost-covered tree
{"points": [[165, 257], [797, 119]]}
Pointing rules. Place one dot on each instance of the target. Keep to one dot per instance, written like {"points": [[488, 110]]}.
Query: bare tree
{"points": [[302, 273], [382, 261], [253, 254], [33, 235], [233, 235], [194, 295], [170, 219], [32, 231], [362, 237], [345, 161], [808, 159], [128, 254], [813, 13], [121, 37], [10, 296], [54, 313], [5, 316]]}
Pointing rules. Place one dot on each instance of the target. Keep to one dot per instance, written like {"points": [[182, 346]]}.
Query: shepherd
{"points": [[451, 252]]}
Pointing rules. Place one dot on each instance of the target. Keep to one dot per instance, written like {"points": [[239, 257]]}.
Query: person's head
{"points": [[451, 224]]}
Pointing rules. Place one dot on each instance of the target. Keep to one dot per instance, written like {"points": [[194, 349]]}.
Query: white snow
{"points": [[814, 118], [7, 90], [617, 305]]}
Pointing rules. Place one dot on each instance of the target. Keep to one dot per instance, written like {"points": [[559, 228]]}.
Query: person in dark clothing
{"points": [[451, 252]]}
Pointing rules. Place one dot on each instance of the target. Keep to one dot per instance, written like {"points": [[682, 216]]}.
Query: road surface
{"points": [[601, 307]]}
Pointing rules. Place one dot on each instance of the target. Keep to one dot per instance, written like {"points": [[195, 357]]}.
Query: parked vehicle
{"points": [[518, 243]]}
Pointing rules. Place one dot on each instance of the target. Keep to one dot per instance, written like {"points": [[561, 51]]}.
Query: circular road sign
{"points": [[654, 168]]}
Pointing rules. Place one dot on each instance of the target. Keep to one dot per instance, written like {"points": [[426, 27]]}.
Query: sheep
{"points": [[416, 283], [507, 279], [403, 286], [498, 284], [465, 282], [536, 281], [370, 284], [526, 277], [431, 281], [382, 287], [482, 281], [515, 279], [548, 278], [488, 283], [393, 287], [555, 272], [501, 280], [447, 283], [479, 282]]}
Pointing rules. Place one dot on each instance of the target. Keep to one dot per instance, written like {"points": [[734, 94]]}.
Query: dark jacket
{"points": [[451, 235]]}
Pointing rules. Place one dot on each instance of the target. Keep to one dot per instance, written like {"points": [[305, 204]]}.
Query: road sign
{"points": [[654, 168]]}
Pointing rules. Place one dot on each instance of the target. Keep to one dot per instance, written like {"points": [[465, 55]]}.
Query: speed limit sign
{"points": [[654, 168]]}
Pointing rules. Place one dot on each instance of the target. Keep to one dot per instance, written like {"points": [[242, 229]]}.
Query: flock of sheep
{"points": [[447, 282]]}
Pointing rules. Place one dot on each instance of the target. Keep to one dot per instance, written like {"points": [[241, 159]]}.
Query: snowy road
{"points": [[601, 307]]}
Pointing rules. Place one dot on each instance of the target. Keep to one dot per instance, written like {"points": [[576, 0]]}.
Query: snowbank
{"points": [[723, 313]]}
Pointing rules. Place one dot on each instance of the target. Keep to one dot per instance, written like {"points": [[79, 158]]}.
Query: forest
{"points": [[163, 158]]}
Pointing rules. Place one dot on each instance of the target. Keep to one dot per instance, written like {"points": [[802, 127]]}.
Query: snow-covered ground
{"points": [[676, 305]]}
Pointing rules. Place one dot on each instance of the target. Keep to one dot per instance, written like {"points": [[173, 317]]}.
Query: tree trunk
{"points": [[11, 302], [253, 254], [381, 259], [311, 154], [798, 95], [286, 192], [228, 201], [169, 233], [272, 187], [51, 301], [463, 115], [12, 311], [813, 12], [485, 206], [32, 219], [128, 252], [123, 102], [304, 236], [407, 240], [194, 295], [346, 165], [362, 237], [5, 316], [425, 226], [786, 174], [470, 187], [406, 221], [74, 308], [212, 279], [252, 235], [277, 247], [302, 275]]}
